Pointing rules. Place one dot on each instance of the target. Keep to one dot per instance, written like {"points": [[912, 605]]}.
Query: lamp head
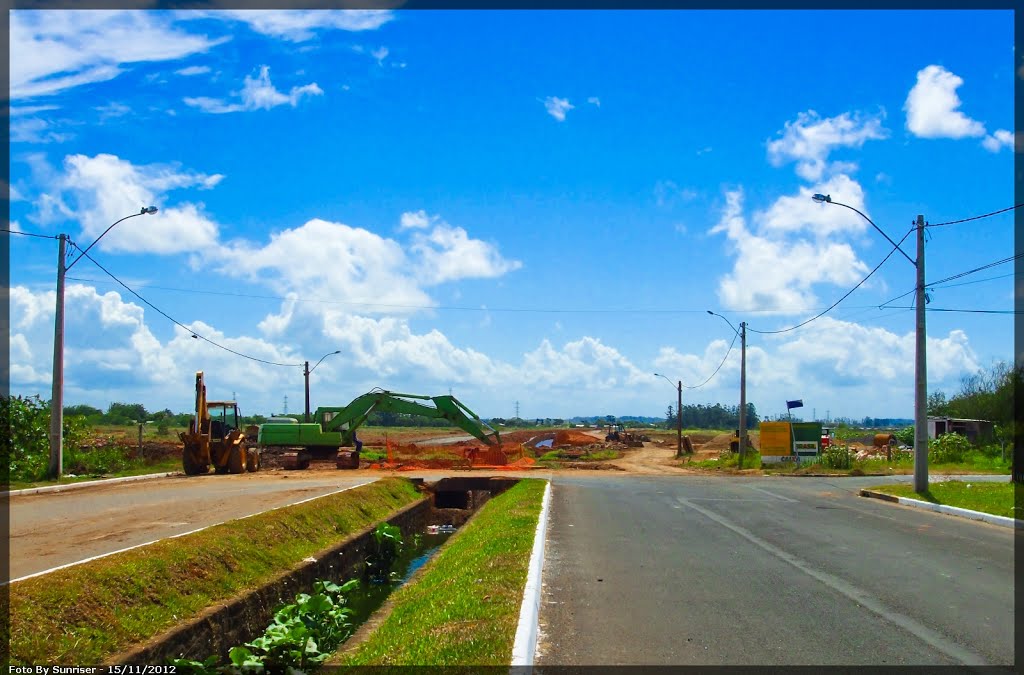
{"points": [[149, 209], [710, 312], [822, 198]]}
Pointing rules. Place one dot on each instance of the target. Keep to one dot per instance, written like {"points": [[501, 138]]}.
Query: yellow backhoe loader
{"points": [[215, 437]]}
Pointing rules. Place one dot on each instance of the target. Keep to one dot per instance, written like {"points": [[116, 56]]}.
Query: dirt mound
{"points": [[572, 437]]}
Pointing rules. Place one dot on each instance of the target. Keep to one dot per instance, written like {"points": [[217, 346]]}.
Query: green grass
{"points": [[728, 461], [464, 609], [86, 613], [999, 499]]}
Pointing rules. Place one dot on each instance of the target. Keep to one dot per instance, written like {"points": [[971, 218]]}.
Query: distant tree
{"points": [[125, 413], [83, 410]]}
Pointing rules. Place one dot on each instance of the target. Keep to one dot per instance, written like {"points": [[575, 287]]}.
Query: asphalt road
{"points": [[767, 571], [52, 529]]}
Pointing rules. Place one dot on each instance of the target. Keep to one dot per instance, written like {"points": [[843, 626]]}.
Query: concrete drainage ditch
{"points": [[449, 501]]}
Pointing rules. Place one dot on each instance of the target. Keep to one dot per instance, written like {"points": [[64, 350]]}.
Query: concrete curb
{"points": [[525, 646], [84, 484], [1002, 521]]}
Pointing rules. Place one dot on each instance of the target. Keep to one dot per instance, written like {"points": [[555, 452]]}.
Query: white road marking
{"points": [[785, 499], [861, 597], [173, 536]]}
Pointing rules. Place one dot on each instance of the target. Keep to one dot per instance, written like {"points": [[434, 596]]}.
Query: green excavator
{"points": [[334, 428]]}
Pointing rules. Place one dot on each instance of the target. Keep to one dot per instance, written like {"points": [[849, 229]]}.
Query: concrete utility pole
{"points": [[743, 390], [56, 468], [920, 374], [679, 420]]}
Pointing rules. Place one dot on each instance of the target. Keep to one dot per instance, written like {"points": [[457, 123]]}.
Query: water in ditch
{"points": [[370, 595]]}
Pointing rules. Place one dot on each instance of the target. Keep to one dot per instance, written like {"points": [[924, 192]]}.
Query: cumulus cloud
{"points": [[96, 191], [799, 213], [593, 100], [258, 93], [932, 107], [36, 130], [301, 25], [999, 139], [415, 219], [759, 281], [557, 107], [70, 48], [810, 139], [447, 253]]}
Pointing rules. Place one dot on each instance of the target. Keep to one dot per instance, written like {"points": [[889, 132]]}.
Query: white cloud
{"points": [[70, 48], [1000, 138], [35, 130], [192, 71], [447, 253], [772, 273], [593, 100], [113, 109], [800, 213], [810, 139], [105, 188], [415, 219], [302, 25], [258, 93], [932, 107], [380, 54], [667, 192], [557, 107], [17, 111]]}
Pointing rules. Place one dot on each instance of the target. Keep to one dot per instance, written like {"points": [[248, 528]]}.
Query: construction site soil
{"points": [[437, 449]]}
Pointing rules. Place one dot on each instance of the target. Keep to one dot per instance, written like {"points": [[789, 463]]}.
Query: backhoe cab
{"points": [[215, 437]]}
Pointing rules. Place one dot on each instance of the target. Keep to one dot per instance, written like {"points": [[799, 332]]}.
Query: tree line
{"points": [[715, 416]]}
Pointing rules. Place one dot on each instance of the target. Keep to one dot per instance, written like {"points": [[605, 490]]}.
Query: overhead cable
{"points": [[698, 386], [178, 323], [966, 220]]}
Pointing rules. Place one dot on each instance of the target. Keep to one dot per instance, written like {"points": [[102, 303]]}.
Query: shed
{"points": [[976, 431]]}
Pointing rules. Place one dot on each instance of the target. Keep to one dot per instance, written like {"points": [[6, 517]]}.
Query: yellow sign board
{"points": [[776, 439]]}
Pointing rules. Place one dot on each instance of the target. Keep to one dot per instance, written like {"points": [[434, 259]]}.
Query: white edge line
{"points": [[525, 646], [175, 536], [966, 513]]}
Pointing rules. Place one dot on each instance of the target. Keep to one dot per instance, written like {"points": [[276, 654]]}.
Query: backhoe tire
{"points": [[236, 460], [192, 467], [252, 462]]}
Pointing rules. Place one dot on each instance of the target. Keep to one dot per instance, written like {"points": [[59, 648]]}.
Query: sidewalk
{"points": [[1002, 521]]}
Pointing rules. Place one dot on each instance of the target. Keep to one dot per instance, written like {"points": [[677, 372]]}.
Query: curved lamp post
{"points": [[743, 382], [679, 413], [309, 370], [920, 356], [57, 399]]}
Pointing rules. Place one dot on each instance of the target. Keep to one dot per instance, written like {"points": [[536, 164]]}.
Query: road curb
{"points": [[1002, 521], [525, 646], [84, 484]]}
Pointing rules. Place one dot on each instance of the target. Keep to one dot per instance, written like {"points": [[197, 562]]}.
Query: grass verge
{"points": [[86, 613], [165, 465], [998, 499], [464, 609]]}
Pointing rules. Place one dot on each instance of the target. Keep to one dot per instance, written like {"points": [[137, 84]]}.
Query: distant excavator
{"points": [[296, 444]]}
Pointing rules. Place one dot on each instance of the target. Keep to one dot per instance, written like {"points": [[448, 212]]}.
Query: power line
{"points": [[698, 386], [178, 323], [966, 311], [977, 281], [966, 220], [962, 274], [845, 295], [29, 234]]}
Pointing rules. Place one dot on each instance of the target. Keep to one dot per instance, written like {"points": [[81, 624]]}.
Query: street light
{"points": [[56, 467], [920, 356], [309, 370], [679, 414], [743, 382]]}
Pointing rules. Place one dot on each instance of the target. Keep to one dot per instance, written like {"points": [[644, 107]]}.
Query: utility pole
{"points": [[920, 375], [286, 404], [679, 421], [305, 374], [56, 468], [743, 390], [517, 409]]}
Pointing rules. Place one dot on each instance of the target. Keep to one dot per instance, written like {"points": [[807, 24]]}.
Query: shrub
{"points": [[949, 448], [905, 436], [837, 457]]}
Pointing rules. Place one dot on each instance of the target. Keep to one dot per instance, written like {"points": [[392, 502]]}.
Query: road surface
{"points": [[52, 529], [688, 570]]}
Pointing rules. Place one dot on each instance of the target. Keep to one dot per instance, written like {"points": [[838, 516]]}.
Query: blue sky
{"points": [[532, 207]]}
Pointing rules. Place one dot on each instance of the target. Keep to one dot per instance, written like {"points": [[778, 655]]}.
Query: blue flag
{"points": [[794, 404]]}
